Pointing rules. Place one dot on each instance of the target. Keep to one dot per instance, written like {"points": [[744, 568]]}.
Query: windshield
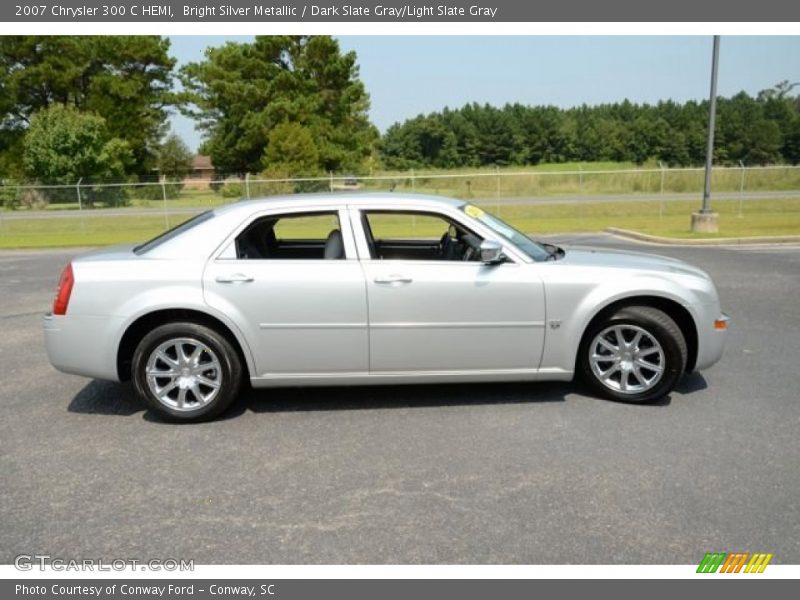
{"points": [[171, 233], [533, 249]]}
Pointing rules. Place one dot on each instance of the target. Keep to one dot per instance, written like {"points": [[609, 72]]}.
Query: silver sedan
{"points": [[349, 289]]}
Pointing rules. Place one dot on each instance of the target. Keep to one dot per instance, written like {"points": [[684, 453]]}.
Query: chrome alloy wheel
{"points": [[626, 359], [184, 374]]}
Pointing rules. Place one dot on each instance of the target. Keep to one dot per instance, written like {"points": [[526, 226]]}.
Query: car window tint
{"points": [[306, 227], [410, 235], [406, 226], [297, 236]]}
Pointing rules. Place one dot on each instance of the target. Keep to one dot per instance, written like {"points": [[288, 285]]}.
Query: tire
{"points": [[196, 386], [622, 375]]}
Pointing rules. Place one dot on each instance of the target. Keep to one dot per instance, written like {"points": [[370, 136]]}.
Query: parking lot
{"points": [[501, 473]]}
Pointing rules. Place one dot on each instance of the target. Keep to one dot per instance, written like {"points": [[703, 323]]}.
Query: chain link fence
{"points": [[547, 201]]}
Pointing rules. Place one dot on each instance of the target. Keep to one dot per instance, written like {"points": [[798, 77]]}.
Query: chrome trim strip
{"points": [[312, 325], [457, 325], [379, 374]]}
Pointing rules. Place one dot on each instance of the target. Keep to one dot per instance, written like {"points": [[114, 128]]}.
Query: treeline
{"points": [[96, 109], [760, 130]]}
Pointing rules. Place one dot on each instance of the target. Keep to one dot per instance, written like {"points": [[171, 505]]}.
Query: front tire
{"points": [[186, 372], [637, 355]]}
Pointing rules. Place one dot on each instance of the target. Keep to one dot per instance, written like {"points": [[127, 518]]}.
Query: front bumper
{"points": [[712, 332], [83, 345]]}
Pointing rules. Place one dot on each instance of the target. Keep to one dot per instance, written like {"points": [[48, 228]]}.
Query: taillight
{"points": [[64, 291]]}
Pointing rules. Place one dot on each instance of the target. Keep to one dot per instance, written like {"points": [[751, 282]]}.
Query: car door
{"points": [[429, 316], [302, 314]]}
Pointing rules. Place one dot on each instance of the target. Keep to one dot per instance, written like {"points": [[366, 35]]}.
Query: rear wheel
{"points": [[637, 355], [186, 372]]}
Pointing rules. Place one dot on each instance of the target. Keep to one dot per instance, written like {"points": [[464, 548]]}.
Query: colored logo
{"points": [[735, 562]]}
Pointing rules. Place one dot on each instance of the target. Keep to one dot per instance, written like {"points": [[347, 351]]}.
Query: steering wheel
{"points": [[444, 245]]}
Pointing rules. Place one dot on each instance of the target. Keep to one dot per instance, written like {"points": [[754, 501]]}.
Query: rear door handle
{"points": [[235, 278], [393, 279]]}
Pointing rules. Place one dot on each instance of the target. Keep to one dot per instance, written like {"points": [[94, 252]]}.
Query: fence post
{"points": [[741, 188], [162, 180], [247, 184], [661, 200], [78, 191], [3, 208], [330, 185], [497, 190], [80, 205], [413, 181]]}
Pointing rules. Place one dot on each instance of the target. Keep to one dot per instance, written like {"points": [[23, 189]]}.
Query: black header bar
{"points": [[452, 11]]}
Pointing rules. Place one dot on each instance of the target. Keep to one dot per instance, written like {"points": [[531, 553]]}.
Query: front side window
{"points": [[295, 236], [409, 235]]}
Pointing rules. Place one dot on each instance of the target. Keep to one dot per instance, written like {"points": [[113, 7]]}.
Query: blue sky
{"points": [[408, 75]]}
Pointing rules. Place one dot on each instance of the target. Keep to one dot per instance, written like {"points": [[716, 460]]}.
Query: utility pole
{"points": [[706, 221]]}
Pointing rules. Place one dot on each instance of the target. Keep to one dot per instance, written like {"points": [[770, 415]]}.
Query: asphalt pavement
{"points": [[501, 473]]}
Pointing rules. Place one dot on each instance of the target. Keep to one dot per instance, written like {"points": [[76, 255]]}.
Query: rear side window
{"points": [[174, 232], [306, 227], [293, 236]]}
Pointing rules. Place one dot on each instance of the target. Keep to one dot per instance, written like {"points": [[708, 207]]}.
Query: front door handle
{"points": [[235, 278], [393, 279]]}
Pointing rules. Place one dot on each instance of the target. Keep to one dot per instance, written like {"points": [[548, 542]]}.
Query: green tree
{"points": [[63, 146], [243, 91], [291, 152], [756, 130], [174, 158], [126, 80]]}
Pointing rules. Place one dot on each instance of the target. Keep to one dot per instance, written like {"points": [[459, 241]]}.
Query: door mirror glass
{"points": [[491, 252]]}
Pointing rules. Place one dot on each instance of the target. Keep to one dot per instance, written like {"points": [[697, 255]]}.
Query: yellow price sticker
{"points": [[473, 211]]}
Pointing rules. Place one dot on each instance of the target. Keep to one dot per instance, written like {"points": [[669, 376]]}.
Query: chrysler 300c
{"points": [[374, 289]]}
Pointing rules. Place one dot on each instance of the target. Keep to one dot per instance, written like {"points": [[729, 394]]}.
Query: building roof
{"points": [[202, 163]]}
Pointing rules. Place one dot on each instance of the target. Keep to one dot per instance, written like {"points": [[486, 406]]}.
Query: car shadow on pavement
{"points": [[110, 398], [693, 382], [398, 396], [106, 398]]}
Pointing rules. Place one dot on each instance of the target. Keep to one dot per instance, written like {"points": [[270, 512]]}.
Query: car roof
{"points": [[333, 199]]}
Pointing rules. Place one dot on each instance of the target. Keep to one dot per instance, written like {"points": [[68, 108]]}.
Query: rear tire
{"points": [[186, 372], [637, 355]]}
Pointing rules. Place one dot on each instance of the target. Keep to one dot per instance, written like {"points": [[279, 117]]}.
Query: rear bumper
{"points": [[83, 345]]}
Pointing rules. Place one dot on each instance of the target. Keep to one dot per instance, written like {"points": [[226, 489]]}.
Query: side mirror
{"points": [[491, 252]]}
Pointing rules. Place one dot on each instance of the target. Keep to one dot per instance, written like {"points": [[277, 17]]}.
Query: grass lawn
{"points": [[759, 217]]}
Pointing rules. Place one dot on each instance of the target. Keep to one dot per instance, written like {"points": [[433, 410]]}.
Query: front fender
{"points": [[571, 307]]}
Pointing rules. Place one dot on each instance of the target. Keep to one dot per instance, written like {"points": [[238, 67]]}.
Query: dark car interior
{"points": [[455, 244], [261, 241]]}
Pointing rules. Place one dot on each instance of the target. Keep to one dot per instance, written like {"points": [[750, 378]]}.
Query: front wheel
{"points": [[637, 355], [186, 372]]}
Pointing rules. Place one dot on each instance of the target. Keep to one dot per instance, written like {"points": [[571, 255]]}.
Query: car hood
{"points": [[587, 256]]}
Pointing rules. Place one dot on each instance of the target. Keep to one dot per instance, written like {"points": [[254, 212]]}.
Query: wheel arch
{"points": [[150, 320], [678, 313]]}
